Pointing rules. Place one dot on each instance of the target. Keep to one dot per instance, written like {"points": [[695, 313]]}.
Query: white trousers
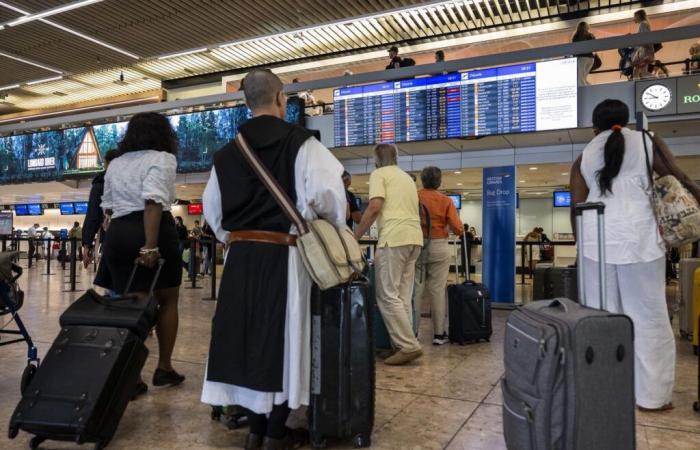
{"points": [[585, 64], [638, 291]]}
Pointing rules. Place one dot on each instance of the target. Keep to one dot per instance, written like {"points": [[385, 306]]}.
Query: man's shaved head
{"points": [[261, 88]]}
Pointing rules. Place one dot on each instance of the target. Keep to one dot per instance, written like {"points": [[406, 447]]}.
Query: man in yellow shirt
{"points": [[393, 202]]}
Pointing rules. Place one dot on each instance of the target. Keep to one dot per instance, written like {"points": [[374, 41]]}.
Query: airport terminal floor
{"points": [[450, 399]]}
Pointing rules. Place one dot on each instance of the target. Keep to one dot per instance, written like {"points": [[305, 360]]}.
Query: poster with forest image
{"points": [[72, 152]]}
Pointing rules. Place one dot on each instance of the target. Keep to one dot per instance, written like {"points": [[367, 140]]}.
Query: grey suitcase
{"points": [[569, 372], [685, 313]]}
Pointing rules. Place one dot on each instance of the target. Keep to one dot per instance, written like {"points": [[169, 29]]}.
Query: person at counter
{"points": [[32, 234], [437, 254], [393, 203], [355, 213]]}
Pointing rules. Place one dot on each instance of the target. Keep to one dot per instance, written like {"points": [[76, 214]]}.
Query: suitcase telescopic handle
{"points": [[599, 208], [152, 287]]}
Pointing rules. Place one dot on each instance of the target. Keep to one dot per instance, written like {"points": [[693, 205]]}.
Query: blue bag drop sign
{"points": [[499, 233]]}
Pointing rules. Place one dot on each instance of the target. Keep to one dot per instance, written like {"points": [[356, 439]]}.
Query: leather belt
{"points": [[267, 237]]}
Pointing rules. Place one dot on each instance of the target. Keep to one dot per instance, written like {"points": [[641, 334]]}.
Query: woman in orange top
{"points": [[436, 256]]}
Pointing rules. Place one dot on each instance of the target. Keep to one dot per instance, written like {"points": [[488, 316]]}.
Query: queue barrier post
{"points": [[4, 243], [73, 264], [31, 252], [64, 253], [49, 252], [212, 267], [192, 271]]}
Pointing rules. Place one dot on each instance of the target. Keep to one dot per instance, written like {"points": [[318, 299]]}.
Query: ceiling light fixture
{"points": [[186, 52], [31, 63], [82, 108], [459, 184], [565, 174], [457, 172], [533, 168], [7, 88], [522, 181], [49, 12], [44, 80], [73, 32]]}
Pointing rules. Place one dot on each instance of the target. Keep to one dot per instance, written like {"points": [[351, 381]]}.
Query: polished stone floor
{"points": [[450, 399]]}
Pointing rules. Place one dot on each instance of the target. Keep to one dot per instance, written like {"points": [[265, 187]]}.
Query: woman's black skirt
{"points": [[123, 241]]}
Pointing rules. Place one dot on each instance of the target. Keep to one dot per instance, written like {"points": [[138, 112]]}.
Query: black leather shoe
{"points": [[140, 389], [167, 378], [253, 442], [294, 439]]}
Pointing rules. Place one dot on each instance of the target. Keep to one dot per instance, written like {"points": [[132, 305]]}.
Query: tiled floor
{"points": [[449, 400]]}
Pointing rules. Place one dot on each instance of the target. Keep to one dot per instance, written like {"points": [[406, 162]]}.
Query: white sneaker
{"points": [[441, 340]]}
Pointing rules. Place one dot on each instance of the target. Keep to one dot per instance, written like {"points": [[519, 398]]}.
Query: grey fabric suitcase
{"points": [[569, 373], [685, 313]]}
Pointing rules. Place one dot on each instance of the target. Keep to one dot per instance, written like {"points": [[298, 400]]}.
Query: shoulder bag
{"points": [[331, 254], [676, 209]]}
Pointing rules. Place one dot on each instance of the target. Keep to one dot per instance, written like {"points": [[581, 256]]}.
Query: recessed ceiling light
{"points": [[459, 184], [522, 181], [533, 168], [366, 182], [564, 174], [457, 172]]}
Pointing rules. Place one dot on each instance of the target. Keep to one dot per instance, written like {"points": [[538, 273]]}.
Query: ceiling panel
{"points": [[15, 72]]}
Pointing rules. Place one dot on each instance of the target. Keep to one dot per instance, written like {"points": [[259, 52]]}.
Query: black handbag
{"points": [[658, 46], [597, 62]]}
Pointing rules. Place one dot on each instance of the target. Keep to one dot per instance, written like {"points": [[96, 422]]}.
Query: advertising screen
{"points": [[74, 152], [81, 207], [21, 210], [66, 209], [503, 100], [195, 209], [35, 209], [562, 199], [457, 200]]}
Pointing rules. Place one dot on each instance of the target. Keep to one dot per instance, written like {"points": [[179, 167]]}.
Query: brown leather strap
{"points": [[267, 237]]}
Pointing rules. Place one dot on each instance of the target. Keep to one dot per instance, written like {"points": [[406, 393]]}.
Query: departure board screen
{"points": [[512, 99]]}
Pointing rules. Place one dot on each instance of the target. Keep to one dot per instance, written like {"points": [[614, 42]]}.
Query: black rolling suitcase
{"points": [[554, 282], [342, 365], [81, 389], [469, 309], [569, 372], [125, 311]]}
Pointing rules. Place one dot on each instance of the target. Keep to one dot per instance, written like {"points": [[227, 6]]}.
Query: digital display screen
{"points": [[195, 209], [562, 199], [456, 200], [73, 152], [35, 209], [81, 207], [21, 210], [513, 99], [6, 221], [66, 209]]}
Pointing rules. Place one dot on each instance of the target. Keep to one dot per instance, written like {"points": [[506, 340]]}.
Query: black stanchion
{"points": [[522, 263], [73, 265], [192, 271], [4, 243], [31, 252], [531, 261], [212, 267], [49, 252], [64, 253]]}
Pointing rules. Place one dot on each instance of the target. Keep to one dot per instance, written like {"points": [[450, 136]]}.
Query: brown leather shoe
{"points": [[401, 357], [253, 442]]}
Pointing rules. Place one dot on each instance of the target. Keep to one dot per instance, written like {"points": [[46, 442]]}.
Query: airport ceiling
{"points": [[109, 48]]}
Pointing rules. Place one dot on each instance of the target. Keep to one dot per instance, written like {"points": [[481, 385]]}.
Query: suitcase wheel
{"points": [[318, 443], [12, 432], [361, 441], [36, 442], [100, 445], [27, 376], [216, 412], [696, 406]]}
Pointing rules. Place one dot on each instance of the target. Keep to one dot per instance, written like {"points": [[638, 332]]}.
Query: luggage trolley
{"points": [[11, 300]]}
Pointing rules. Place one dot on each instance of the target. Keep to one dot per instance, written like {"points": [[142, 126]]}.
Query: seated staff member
{"points": [[260, 351], [393, 203], [138, 194], [437, 255]]}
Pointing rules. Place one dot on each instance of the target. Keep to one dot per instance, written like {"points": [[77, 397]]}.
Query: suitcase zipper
{"points": [[540, 342]]}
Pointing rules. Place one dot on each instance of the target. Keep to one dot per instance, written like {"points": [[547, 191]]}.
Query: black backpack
{"points": [[625, 65], [408, 62]]}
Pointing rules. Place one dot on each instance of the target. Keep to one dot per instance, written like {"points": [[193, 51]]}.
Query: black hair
{"points": [[611, 114], [149, 131], [431, 177], [440, 54], [345, 174], [76, 224], [179, 219], [111, 155]]}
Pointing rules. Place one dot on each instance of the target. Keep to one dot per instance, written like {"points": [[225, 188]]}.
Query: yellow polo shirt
{"points": [[399, 221]]}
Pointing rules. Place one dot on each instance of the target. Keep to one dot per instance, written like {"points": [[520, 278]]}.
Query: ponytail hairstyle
{"points": [[611, 115]]}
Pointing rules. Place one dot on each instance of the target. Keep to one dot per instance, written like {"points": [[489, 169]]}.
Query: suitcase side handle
{"points": [[599, 208], [556, 303]]}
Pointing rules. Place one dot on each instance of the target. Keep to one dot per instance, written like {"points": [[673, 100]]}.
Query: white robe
{"points": [[320, 192]]}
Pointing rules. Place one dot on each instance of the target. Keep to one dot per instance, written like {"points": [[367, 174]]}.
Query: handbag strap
{"points": [[272, 185], [650, 170]]}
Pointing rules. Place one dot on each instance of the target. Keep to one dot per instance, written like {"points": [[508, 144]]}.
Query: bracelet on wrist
{"points": [[147, 251]]}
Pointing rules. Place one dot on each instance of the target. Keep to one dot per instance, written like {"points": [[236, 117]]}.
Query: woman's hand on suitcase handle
{"points": [[149, 257]]}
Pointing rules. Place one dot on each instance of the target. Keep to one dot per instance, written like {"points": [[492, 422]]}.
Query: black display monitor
{"points": [[81, 207], [66, 209]]}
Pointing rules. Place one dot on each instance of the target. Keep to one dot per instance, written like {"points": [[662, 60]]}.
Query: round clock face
{"points": [[656, 97]]}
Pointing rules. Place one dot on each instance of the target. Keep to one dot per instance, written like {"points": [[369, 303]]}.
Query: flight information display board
{"points": [[513, 99]]}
